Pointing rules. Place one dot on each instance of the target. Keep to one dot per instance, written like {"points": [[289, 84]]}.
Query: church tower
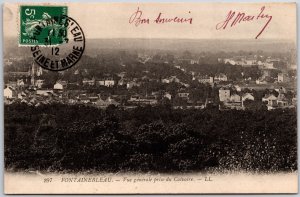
{"points": [[32, 73], [39, 71]]}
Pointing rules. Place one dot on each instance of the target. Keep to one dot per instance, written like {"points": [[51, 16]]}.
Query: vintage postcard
{"points": [[150, 98]]}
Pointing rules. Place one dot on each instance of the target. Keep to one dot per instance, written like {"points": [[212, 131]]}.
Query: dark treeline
{"points": [[78, 138]]}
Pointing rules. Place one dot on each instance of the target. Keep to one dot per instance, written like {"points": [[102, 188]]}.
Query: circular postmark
{"points": [[64, 54]]}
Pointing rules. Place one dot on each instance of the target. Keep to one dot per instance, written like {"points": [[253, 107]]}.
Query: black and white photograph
{"points": [[151, 98]]}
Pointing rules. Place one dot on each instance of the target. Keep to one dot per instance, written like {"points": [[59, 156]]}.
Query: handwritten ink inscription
{"points": [[234, 18], [137, 19]]}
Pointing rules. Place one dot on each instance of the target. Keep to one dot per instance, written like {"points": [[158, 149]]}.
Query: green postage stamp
{"points": [[43, 25]]}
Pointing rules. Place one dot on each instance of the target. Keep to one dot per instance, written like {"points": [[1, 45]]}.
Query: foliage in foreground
{"points": [[79, 138]]}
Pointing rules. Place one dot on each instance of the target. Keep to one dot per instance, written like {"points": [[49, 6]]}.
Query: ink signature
{"points": [[234, 18]]}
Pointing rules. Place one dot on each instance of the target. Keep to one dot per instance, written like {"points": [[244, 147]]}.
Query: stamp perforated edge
{"points": [[18, 22]]}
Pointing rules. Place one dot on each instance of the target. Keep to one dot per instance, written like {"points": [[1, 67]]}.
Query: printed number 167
{"points": [[47, 180]]}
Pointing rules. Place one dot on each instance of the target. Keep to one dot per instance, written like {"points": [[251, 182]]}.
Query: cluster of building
{"points": [[233, 98], [280, 101], [60, 95], [255, 60], [210, 79], [30, 89], [49, 96]]}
